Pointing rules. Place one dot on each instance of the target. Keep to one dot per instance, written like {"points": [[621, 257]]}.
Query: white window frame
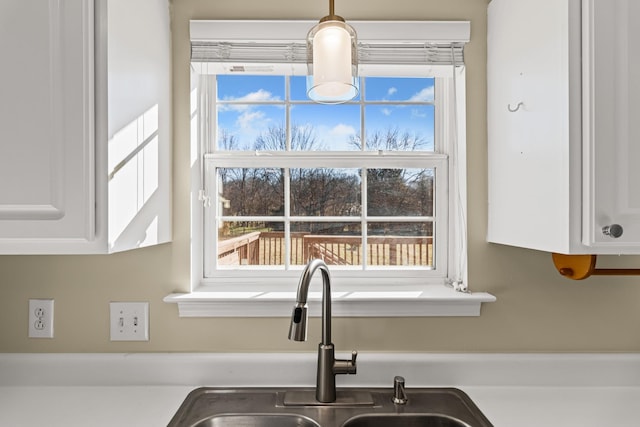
{"points": [[370, 277], [249, 295]]}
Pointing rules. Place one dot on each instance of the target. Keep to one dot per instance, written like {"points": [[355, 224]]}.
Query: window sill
{"points": [[436, 300]]}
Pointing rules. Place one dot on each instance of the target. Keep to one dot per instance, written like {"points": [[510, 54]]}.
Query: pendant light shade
{"points": [[332, 59]]}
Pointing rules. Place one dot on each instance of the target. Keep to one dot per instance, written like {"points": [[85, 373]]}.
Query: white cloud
{"points": [[260, 95], [391, 91], [251, 119], [342, 130], [386, 111], [425, 94]]}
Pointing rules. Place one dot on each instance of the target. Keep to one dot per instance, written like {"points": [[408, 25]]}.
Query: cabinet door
{"points": [[47, 186], [611, 124], [533, 46]]}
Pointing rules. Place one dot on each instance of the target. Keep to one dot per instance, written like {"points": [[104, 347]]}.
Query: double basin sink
{"points": [[354, 407]]}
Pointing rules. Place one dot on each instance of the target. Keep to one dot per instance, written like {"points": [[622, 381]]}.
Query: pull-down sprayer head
{"points": [[298, 326]]}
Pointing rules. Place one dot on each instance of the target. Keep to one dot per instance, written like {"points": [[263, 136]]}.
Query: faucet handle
{"points": [[346, 366]]}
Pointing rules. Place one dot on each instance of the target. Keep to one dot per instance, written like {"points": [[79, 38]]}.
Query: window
{"points": [[361, 185], [375, 186]]}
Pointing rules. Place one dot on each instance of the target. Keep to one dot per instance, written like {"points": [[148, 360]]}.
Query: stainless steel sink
{"points": [[354, 407], [257, 420], [404, 420]]}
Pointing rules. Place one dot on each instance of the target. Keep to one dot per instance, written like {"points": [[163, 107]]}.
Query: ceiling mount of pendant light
{"points": [[332, 58]]}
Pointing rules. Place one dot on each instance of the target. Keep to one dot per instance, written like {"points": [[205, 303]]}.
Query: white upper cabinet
{"points": [[85, 131], [561, 118], [46, 121], [611, 61]]}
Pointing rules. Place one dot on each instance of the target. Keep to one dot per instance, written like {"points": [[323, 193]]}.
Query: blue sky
{"points": [[333, 125]]}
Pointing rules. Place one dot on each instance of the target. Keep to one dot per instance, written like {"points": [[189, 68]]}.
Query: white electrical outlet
{"points": [[129, 321], [40, 318]]}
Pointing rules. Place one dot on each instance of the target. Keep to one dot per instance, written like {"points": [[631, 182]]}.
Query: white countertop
{"points": [[511, 390], [558, 406], [135, 406]]}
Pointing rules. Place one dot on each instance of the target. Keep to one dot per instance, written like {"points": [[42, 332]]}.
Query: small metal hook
{"points": [[513, 110]]}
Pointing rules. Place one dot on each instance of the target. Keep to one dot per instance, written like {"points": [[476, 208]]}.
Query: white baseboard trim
{"points": [[298, 369]]}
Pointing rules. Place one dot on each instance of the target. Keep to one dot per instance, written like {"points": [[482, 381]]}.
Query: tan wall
{"points": [[537, 310]]}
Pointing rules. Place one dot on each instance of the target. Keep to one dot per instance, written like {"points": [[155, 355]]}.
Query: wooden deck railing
{"points": [[244, 249], [267, 248], [382, 250]]}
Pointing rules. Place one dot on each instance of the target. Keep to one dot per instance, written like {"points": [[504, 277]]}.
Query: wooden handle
{"points": [[579, 267]]}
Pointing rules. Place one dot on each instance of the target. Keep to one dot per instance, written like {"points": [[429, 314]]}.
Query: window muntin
{"points": [[358, 222]]}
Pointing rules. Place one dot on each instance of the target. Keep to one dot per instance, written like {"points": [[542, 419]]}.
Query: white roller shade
{"points": [[279, 47]]}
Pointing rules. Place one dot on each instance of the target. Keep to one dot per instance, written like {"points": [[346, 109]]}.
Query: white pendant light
{"points": [[332, 58]]}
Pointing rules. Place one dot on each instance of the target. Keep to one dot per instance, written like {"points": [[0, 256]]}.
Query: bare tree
{"points": [[275, 139], [391, 139], [324, 192], [327, 191], [228, 141]]}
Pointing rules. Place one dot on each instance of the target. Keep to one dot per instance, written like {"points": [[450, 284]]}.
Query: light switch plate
{"points": [[129, 321]]}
